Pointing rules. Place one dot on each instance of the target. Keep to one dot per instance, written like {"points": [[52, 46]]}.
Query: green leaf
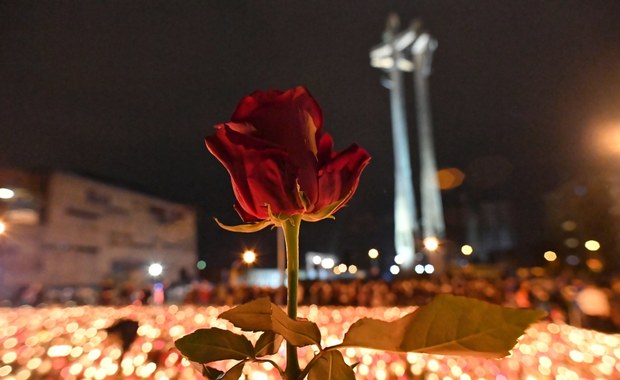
{"points": [[262, 315], [331, 366], [235, 372], [246, 228], [450, 325], [268, 344], [212, 373], [209, 345]]}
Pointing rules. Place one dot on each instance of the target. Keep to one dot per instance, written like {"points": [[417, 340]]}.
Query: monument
{"points": [[411, 50]]}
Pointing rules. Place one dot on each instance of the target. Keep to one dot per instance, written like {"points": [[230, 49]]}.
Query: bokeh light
{"points": [[592, 245], [72, 343], [373, 253], [201, 264], [6, 193], [155, 269], [467, 249], [450, 178], [550, 256], [431, 243], [249, 256]]}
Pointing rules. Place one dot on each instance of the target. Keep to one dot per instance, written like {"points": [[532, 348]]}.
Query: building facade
{"points": [[66, 230]]}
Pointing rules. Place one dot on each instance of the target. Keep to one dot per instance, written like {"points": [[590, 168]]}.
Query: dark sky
{"points": [[127, 90]]}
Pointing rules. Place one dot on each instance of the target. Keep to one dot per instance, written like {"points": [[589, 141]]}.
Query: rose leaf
{"points": [[209, 345], [212, 373], [449, 325], [262, 315], [268, 344], [331, 366], [235, 372]]}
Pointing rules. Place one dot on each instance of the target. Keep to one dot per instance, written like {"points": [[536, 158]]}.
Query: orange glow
{"points": [[431, 243], [450, 178], [594, 264], [558, 350], [249, 256], [605, 138], [550, 256]]}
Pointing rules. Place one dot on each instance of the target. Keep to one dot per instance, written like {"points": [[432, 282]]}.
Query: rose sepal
{"points": [[246, 228]]}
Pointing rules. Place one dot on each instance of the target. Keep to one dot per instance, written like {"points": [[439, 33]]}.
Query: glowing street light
{"points": [[327, 263], [249, 257], [550, 256], [395, 269], [373, 253], [155, 269], [467, 250], [431, 243], [592, 245], [6, 193], [2, 227]]}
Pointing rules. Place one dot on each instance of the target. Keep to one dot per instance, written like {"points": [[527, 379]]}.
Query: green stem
{"points": [[291, 237]]}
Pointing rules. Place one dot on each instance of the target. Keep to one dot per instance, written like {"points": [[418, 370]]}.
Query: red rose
{"points": [[280, 162]]}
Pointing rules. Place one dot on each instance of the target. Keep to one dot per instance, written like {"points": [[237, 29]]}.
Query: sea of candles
{"points": [[73, 343]]}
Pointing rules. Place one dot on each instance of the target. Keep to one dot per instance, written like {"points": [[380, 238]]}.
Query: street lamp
{"points": [[249, 257], [155, 269], [467, 250], [6, 193], [237, 273], [431, 243], [592, 245], [373, 253]]}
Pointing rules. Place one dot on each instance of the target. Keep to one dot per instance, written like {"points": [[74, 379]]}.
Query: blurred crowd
{"points": [[569, 299], [579, 301]]}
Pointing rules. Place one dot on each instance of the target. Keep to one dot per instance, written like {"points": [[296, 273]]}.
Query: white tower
{"points": [[407, 51]]}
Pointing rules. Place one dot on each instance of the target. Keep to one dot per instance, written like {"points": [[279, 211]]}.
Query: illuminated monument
{"points": [[411, 50]]}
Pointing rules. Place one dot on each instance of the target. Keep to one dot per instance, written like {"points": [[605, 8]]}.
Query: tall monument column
{"points": [[389, 57], [411, 51], [433, 225]]}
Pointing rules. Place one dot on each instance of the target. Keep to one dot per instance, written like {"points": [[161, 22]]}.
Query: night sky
{"points": [[126, 91]]}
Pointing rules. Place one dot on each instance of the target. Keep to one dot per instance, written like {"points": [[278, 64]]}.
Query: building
{"points": [[583, 221], [67, 230]]}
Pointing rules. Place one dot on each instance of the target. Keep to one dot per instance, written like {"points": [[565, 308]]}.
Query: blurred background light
{"points": [[467, 249], [6, 193], [155, 269], [201, 264], [592, 245], [373, 253], [249, 256], [327, 263], [431, 243], [550, 256], [450, 178]]}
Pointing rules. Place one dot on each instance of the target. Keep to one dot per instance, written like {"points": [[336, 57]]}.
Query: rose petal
{"points": [[339, 179], [260, 173]]}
